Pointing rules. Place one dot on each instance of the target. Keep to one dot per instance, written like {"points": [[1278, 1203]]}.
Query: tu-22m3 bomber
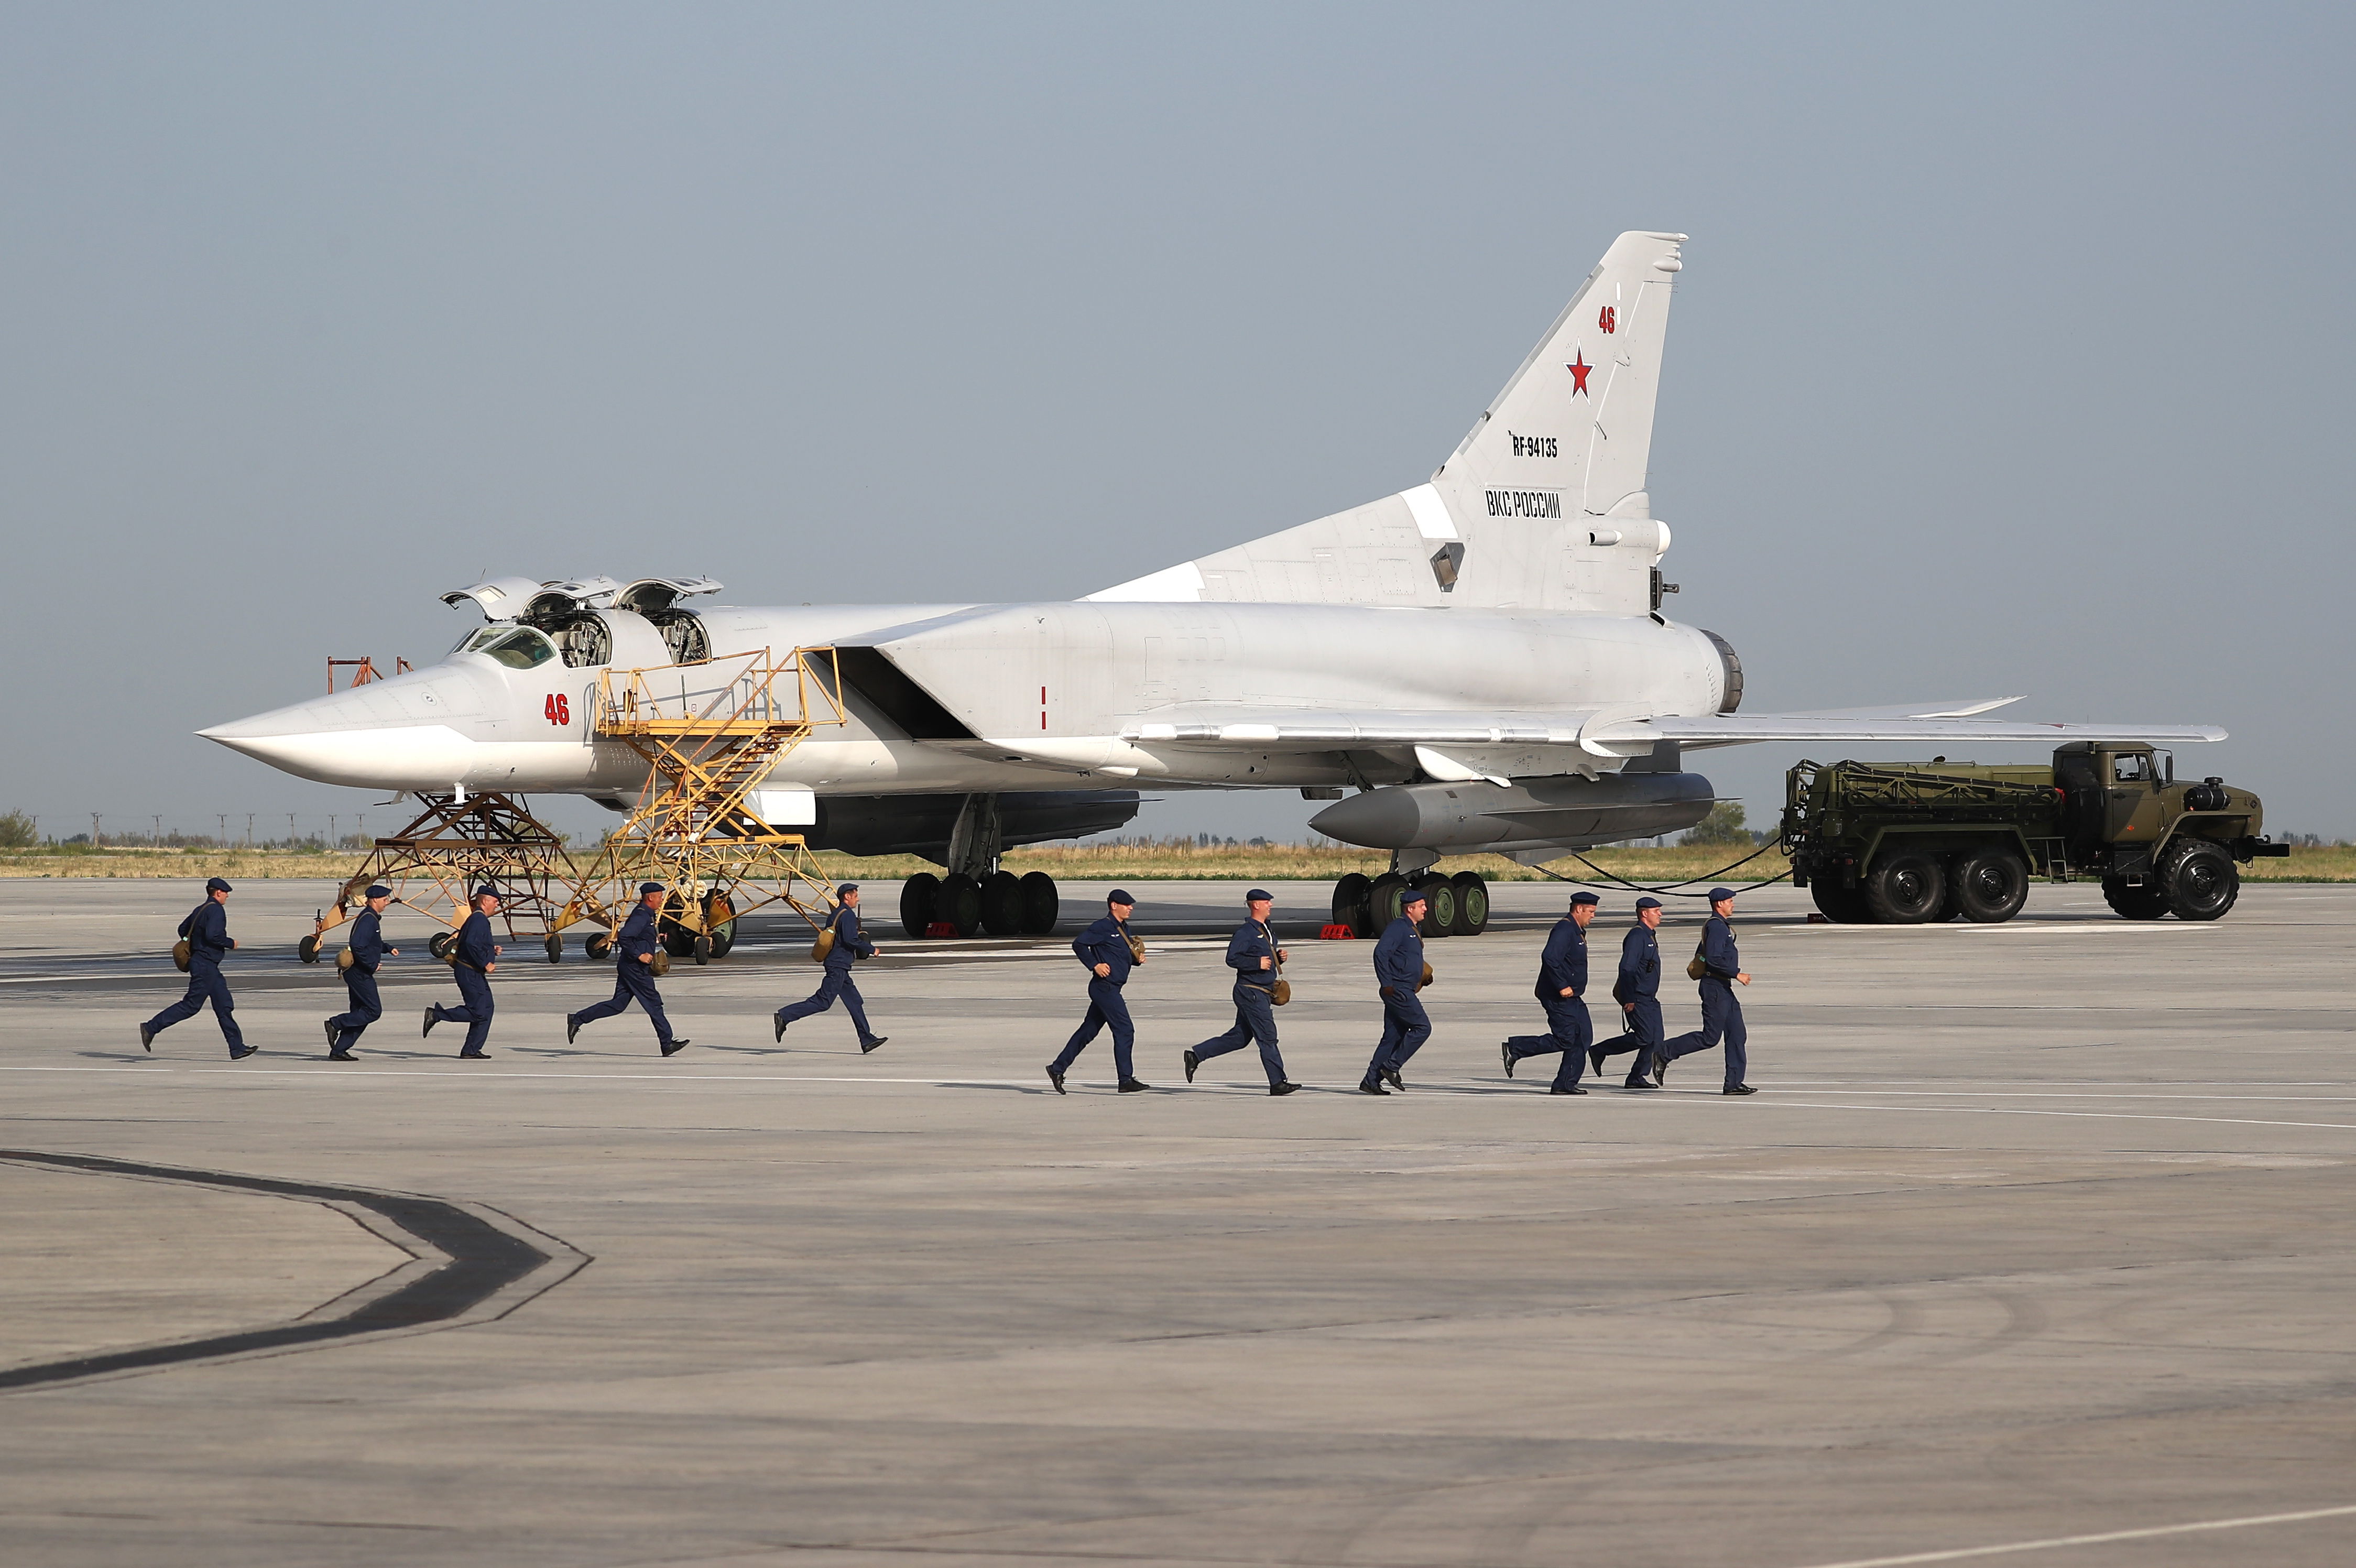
{"points": [[1479, 663]]}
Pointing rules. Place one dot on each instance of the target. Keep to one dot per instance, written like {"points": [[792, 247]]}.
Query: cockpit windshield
{"points": [[517, 647]]}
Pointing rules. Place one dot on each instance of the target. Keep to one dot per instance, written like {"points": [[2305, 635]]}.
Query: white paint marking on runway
{"points": [[2024, 1111], [2051, 1544]]}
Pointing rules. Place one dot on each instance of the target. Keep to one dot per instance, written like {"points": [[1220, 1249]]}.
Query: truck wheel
{"points": [[2198, 880], [2133, 903], [1841, 906], [1905, 887], [1991, 884]]}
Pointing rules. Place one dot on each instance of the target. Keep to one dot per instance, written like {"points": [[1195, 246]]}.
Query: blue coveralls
{"points": [[1569, 1028], [850, 945], [634, 978], [1255, 1010], [475, 955], [1721, 1014], [367, 948], [206, 928], [1638, 982], [1399, 967], [1105, 943]]}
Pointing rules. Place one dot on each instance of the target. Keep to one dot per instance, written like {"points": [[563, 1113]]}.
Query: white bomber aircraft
{"points": [[1481, 660]]}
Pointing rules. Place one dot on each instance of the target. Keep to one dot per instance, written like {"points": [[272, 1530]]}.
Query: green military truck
{"points": [[1904, 843]]}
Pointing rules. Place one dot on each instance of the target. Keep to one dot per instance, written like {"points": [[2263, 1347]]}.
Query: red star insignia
{"points": [[1578, 368]]}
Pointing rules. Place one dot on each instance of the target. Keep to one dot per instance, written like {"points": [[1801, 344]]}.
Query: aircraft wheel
{"points": [[555, 945], [1991, 884], [307, 950], [918, 895], [2133, 903], [1472, 904], [1905, 887], [2198, 880], [720, 921], [1001, 904], [1040, 904], [1440, 905], [960, 903], [599, 946], [1350, 896], [1383, 897]]}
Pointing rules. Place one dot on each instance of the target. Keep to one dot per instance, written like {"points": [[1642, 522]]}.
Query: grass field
{"points": [[1094, 863]]}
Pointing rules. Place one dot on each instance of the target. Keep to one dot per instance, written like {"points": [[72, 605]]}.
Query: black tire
{"points": [[960, 903], [2198, 879], [1472, 904], [599, 946], [1351, 895], [676, 939], [699, 945], [307, 950], [1001, 904], [1439, 907], [555, 946], [1905, 887], [1990, 886], [720, 923], [1040, 904], [1950, 907], [2132, 902], [1840, 905], [440, 942], [1383, 895], [919, 896]]}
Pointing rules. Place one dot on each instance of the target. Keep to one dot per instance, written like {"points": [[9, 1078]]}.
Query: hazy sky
{"points": [[2011, 353]]}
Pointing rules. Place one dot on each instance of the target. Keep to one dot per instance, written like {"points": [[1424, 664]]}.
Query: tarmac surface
{"points": [[2035, 1244]]}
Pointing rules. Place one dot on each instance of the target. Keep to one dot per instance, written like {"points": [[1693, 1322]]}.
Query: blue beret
{"points": [[1118, 895], [215, 884], [377, 890], [1256, 894], [846, 887], [1584, 896], [1414, 896], [486, 891], [1648, 902], [647, 887], [1717, 895]]}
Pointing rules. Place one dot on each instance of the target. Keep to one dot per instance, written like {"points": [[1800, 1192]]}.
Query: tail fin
{"points": [[1514, 519], [1577, 419]]}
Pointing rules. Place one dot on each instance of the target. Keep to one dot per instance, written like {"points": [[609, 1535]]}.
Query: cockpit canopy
{"points": [[517, 647], [562, 615]]}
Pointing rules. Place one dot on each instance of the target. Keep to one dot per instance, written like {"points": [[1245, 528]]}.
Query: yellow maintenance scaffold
{"points": [[709, 732], [458, 843]]}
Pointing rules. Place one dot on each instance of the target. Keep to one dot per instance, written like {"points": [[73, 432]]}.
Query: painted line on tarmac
{"points": [[2056, 1542], [2024, 1111], [467, 1264]]}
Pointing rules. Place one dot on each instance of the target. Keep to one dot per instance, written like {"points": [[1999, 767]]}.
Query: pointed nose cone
{"points": [[366, 737]]}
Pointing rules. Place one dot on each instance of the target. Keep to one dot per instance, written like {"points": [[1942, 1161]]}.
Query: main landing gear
{"points": [[999, 903], [1455, 906]]}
